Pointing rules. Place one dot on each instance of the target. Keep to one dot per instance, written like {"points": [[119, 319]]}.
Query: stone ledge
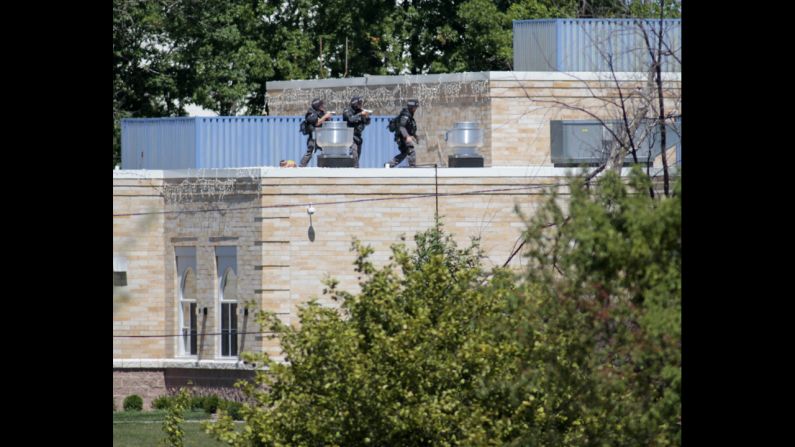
{"points": [[263, 173], [180, 363], [366, 81]]}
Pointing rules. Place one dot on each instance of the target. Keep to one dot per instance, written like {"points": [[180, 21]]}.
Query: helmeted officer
{"points": [[314, 117], [357, 118], [406, 134]]}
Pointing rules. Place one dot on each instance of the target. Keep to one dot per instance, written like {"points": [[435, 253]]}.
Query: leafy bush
{"points": [[133, 403], [197, 403], [114, 404], [162, 402], [174, 435], [582, 348], [231, 408], [210, 404]]}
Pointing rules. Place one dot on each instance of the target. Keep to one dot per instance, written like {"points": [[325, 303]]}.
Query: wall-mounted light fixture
{"points": [[204, 311], [119, 271], [311, 233]]}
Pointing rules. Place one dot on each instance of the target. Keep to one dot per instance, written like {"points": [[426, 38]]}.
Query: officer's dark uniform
{"points": [[312, 116], [353, 116], [406, 126]]}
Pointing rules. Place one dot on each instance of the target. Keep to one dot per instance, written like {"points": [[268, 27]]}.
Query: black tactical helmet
{"points": [[317, 103], [412, 103], [357, 101]]}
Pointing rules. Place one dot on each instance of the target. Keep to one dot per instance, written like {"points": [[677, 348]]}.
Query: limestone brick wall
{"points": [[207, 230], [514, 108], [389, 208], [140, 241], [444, 100], [283, 254], [523, 105]]}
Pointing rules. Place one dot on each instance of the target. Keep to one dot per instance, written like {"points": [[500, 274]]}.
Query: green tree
{"points": [[583, 348], [220, 53], [374, 33], [479, 39], [214, 53], [397, 364], [623, 8], [174, 434], [603, 322], [145, 79], [218, 42]]}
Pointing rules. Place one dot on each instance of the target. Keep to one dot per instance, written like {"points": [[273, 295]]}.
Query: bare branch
{"points": [[657, 65]]}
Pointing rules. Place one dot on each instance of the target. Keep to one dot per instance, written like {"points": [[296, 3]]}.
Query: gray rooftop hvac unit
{"points": [[587, 142], [465, 137], [335, 137]]}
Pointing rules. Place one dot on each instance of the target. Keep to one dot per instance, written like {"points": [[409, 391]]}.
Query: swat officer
{"points": [[406, 134], [313, 118], [357, 118]]}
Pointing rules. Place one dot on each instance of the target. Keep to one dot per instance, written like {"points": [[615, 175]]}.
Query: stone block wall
{"points": [[524, 103], [283, 253], [514, 108], [151, 383], [139, 241], [444, 100], [147, 383]]}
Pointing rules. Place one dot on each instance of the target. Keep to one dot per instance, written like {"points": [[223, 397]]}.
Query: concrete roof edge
{"points": [[422, 172], [368, 81]]}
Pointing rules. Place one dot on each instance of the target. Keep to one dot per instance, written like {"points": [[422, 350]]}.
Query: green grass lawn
{"points": [[144, 429]]}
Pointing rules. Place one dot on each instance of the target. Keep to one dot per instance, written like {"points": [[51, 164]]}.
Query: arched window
{"points": [[229, 314], [188, 315], [226, 263]]}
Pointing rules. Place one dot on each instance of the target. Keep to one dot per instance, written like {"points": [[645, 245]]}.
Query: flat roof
{"points": [[420, 172], [466, 77]]}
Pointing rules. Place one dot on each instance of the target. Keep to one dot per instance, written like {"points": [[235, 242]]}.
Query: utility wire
{"points": [[340, 202], [202, 334]]}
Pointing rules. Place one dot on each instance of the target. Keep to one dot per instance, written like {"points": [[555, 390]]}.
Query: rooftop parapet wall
{"points": [[514, 108], [524, 103], [444, 100]]}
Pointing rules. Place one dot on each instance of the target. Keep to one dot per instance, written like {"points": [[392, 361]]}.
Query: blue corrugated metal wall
{"points": [[379, 144], [234, 141], [158, 143], [578, 44], [534, 45]]}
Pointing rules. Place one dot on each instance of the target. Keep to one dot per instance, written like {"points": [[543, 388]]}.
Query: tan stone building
{"points": [[196, 253]]}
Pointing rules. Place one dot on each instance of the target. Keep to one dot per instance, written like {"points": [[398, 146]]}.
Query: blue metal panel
{"points": [[237, 141], [284, 141], [534, 45], [157, 143], [377, 149], [247, 141], [558, 46], [379, 144], [577, 43]]}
